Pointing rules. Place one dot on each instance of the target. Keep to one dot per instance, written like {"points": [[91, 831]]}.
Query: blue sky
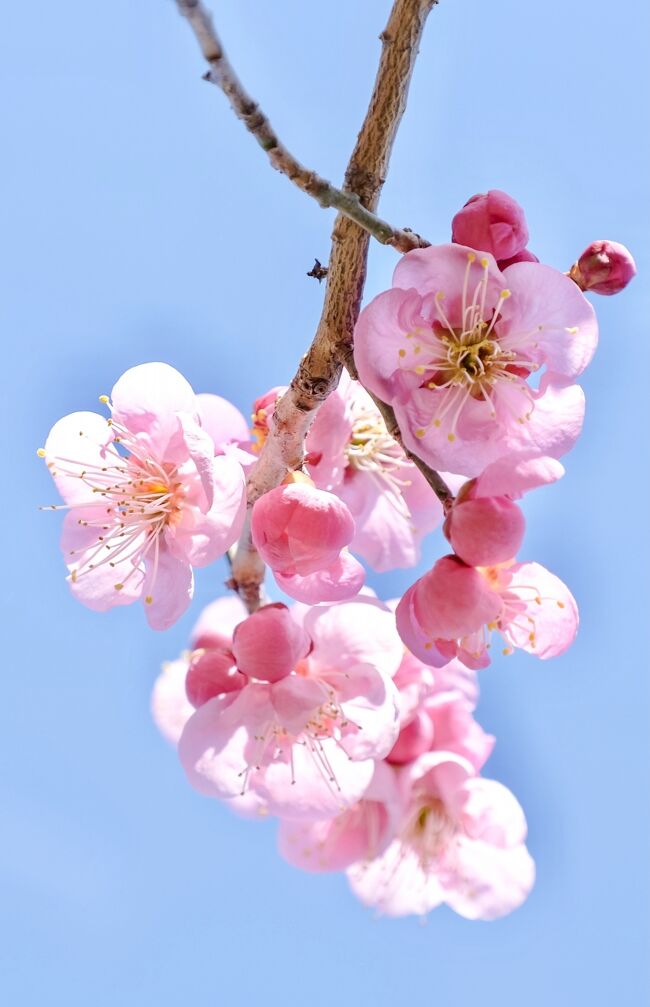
{"points": [[140, 222]]}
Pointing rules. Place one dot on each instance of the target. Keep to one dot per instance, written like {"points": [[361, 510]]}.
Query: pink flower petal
{"points": [[169, 584]]}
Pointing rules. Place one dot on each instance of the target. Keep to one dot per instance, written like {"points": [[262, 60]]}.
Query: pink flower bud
{"points": [[453, 600], [210, 674], [485, 531], [491, 222], [298, 529], [605, 267], [269, 644], [414, 739]]}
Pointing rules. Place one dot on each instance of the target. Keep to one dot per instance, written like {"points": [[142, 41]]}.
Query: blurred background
{"points": [[141, 222]]}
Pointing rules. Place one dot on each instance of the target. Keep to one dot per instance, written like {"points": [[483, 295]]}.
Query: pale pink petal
{"points": [[551, 307], [149, 392], [168, 588], [222, 421], [217, 621], [490, 882], [95, 570], [361, 833], [513, 477], [442, 268], [358, 633], [370, 703], [550, 624], [76, 443], [493, 814], [395, 883], [200, 447], [170, 707], [203, 538], [318, 781], [378, 338], [216, 748]]}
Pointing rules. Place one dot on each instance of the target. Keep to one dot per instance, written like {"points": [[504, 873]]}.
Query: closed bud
{"points": [[605, 267], [491, 222]]}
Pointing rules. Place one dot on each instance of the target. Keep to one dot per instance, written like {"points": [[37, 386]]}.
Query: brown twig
{"points": [[331, 348], [347, 200]]}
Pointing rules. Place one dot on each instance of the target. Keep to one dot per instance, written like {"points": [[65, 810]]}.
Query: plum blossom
{"points": [[349, 452], [460, 841], [453, 609], [147, 499], [304, 738], [492, 222], [452, 347], [302, 532]]}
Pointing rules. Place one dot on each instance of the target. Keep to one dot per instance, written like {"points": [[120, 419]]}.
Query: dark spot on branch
{"points": [[317, 271]]}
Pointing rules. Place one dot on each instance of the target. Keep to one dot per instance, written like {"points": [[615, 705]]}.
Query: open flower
{"points": [[453, 609], [349, 452], [452, 347], [303, 743], [460, 842], [147, 499]]}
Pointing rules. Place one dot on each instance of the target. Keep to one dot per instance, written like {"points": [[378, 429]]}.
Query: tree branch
{"points": [[331, 348], [346, 201]]}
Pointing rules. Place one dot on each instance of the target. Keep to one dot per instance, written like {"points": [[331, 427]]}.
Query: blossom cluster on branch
{"points": [[348, 718]]}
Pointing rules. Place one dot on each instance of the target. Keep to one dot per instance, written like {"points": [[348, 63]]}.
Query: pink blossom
{"points": [[605, 267], [350, 453], [452, 345], [450, 613], [460, 842], [491, 222], [146, 498], [305, 745], [300, 532]]}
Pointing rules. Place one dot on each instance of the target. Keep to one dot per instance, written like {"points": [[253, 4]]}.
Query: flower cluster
{"points": [[370, 760], [351, 720]]}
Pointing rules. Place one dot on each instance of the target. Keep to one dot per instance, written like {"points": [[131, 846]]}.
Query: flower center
{"points": [[430, 829], [373, 451], [135, 499], [470, 360]]}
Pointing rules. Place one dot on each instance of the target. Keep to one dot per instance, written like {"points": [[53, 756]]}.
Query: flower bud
{"points": [[211, 673], [605, 267], [298, 529], [485, 531], [269, 644], [491, 222]]}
